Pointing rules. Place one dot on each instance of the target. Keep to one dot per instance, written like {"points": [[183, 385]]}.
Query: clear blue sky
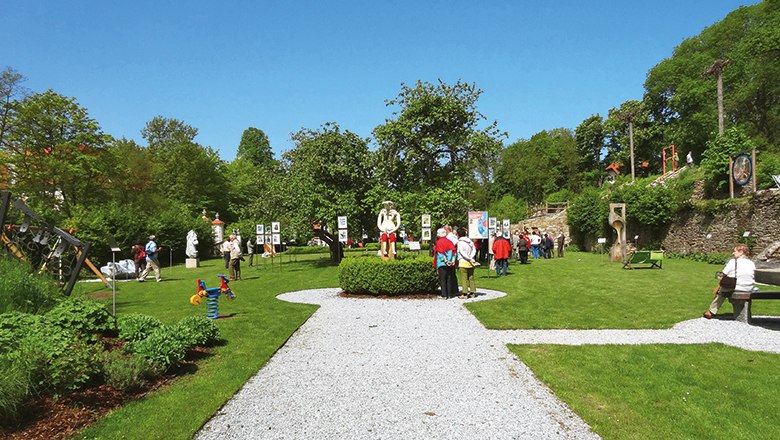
{"points": [[281, 66]]}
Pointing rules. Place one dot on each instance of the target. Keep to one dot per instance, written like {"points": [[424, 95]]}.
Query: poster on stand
{"points": [[478, 224], [492, 223], [259, 230], [426, 234], [260, 239], [506, 227], [277, 239], [426, 221], [275, 227], [343, 235], [342, 221]]}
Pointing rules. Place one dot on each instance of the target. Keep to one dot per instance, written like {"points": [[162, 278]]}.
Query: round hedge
{"points": [[404, 275]]}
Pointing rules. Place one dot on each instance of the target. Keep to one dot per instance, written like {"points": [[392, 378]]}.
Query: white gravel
{"points": [[423, 369]]}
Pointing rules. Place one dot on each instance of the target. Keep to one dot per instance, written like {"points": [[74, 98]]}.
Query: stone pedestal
{"points": [[192, 263]]}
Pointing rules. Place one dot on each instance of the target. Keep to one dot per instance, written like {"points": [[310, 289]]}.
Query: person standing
{"points": [[151, 261], [689, 159], [235, 255], [501, 251], [139, 258], [548, 246], [250, 250], [561, 239], [522, 248], [225, 249], [536, 241], [467, 254], [444, 254], [739, 267]]}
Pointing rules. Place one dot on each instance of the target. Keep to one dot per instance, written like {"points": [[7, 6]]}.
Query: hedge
{"points": [[407, 274]]}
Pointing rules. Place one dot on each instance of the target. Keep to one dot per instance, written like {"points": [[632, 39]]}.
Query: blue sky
{"points": [[282, 66]]}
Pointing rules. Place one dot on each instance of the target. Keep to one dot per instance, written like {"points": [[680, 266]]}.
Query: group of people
{"points": [[453, 250], [145, 259], [233, 255]]}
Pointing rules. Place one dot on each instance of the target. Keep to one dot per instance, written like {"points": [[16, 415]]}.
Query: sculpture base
{"points": [[192, 263]]}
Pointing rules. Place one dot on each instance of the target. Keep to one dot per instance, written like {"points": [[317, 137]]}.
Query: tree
{"points": [[633, 116], [328, 174], [589, 136], [11, 91], [435, 134], [55, 150], [254, 147], [163, 132]]}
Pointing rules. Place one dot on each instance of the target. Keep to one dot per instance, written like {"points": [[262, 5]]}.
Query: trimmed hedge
{"points": [[408, 274]]}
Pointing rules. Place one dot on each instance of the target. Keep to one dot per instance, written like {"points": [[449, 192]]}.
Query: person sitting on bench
{"points": [[739, 267]]}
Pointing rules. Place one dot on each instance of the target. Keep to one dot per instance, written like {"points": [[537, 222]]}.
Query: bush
{"points": [[200, 330], [404, 275], [15, 388], [13, 326], [163, 349], [123, 372], [84, 317], [718, 258], [24, 291], [136, 327]]}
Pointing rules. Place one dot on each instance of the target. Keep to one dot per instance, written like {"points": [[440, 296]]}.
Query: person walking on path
{"points": [[250, 250], [444, 255], [151, 261], [739, 267], [501, 251], [466, 263]]}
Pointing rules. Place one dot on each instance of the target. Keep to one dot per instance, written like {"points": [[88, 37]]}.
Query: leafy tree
{"points": [[328, 174], [435, 134], [715, 160], [509, 207], [647, 141], [11, 90], [590, 139], [254, 147], [131, 176], [587, 217], [55, 150]]}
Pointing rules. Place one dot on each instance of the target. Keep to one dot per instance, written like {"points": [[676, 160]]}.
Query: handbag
{"points": [[728, 284]]}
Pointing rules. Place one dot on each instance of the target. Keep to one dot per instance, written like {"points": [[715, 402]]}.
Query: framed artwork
{"points": [[506, 224], [426, 221], [478, 224], [260, 239], [275, 227], [742, 169], [277, 239], [259, 230], [343, 235], [426, 234], [342, 221], [492, 223]]}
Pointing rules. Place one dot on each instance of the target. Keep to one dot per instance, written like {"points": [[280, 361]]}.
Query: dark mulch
{"points": [[409, 296], [48, 418]]}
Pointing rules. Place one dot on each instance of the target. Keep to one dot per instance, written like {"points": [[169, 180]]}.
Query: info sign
{"points": [[478, 224]]}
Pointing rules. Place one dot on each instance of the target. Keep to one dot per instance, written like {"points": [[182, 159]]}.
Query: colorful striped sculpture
{"points": [[212, 294]]}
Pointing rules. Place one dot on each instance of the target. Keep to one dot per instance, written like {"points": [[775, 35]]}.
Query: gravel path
{"points": [[393, 369], [401, 369]]}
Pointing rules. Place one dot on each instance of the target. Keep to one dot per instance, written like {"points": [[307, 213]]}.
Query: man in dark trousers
{"points": [[561, 239]]}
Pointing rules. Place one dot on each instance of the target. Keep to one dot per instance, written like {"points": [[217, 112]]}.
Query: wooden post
{"points": [[731, 178], [631, 143], [754, 170]]}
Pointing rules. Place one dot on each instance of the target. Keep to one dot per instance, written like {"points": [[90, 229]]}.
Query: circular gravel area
{"points": [[393, 369]]}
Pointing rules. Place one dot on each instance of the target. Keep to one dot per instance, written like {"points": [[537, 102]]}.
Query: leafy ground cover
{"points": [[663, 391], [585, 291]]}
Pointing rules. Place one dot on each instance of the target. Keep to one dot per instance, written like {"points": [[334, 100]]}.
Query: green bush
{"points": [[87, 318], [13, 326], [24, 291], [163, 349], [719, 258], [15, 388], [200, 330], [124, 372], [136, 327], [305, 250], [404, 275]]}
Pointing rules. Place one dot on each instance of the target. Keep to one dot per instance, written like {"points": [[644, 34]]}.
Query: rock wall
{"points": [[760, 215]]}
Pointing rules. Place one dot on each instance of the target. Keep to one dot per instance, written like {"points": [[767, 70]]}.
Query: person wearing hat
{"points": [[501, 251], [444, 258], [151, 261]]}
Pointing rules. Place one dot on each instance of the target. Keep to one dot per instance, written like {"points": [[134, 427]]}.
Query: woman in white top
{"points": [[467, 253], [739, 267]]}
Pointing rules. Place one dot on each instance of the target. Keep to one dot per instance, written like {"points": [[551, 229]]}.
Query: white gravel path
{"points": [[423, 369]]}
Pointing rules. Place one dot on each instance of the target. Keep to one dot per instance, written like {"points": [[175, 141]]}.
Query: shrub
{"points": [[163, 349], [719, 258], [13, 326], [15, 388], [24, 291], [200, 330], [404, 275], [136, 327], [87, 318], [124, 372]]}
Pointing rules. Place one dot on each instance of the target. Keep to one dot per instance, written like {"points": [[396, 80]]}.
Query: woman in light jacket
{"points": [[739, 267], [467, 254]]}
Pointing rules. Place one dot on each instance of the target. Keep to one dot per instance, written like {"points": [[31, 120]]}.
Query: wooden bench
{"points": [[653, 258], [742, 302]]}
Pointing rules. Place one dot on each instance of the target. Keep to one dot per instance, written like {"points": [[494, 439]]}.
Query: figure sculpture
{"points": [[388, 221], [192, 244]]}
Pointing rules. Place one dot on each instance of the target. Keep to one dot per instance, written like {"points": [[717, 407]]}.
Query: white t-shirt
{"points": [[535, 239], [745, 270]]}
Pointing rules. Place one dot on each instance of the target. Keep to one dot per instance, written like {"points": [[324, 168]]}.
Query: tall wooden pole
{"points": [[631, 143], [717, 70]]}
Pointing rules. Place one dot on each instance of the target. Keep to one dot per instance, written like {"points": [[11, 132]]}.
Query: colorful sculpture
{"points": [[212, 296]]}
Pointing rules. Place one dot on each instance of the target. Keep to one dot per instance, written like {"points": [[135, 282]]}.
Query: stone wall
{"points": [[760, 215]]}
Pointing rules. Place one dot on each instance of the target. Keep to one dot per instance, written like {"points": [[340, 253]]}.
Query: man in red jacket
{"points": [[501, 251]]}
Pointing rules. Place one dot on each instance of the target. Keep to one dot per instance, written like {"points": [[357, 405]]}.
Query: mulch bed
{"points": [[48, 418]]}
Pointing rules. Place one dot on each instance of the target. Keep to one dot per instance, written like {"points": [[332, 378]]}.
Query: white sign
{"points": [[426, 234], [414, 245], [602, 240], [506, 224], [492, 223], [260, 239], [259, 230], [277, 239], [342, 220], [426, 221], [746, 234], [275, 228], [708, 236], [343, 235]]}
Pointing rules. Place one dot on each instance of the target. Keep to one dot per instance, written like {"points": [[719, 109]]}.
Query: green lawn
{"points": [[623, 392], [584, 291]]}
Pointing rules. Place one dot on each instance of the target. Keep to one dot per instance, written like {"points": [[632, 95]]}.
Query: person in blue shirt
{"points": [[151, 261]]}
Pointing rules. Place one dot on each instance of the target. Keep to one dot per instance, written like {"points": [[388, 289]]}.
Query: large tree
{"points": [[435, 135], [55, 149], [254, 147], [11, 91]]}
